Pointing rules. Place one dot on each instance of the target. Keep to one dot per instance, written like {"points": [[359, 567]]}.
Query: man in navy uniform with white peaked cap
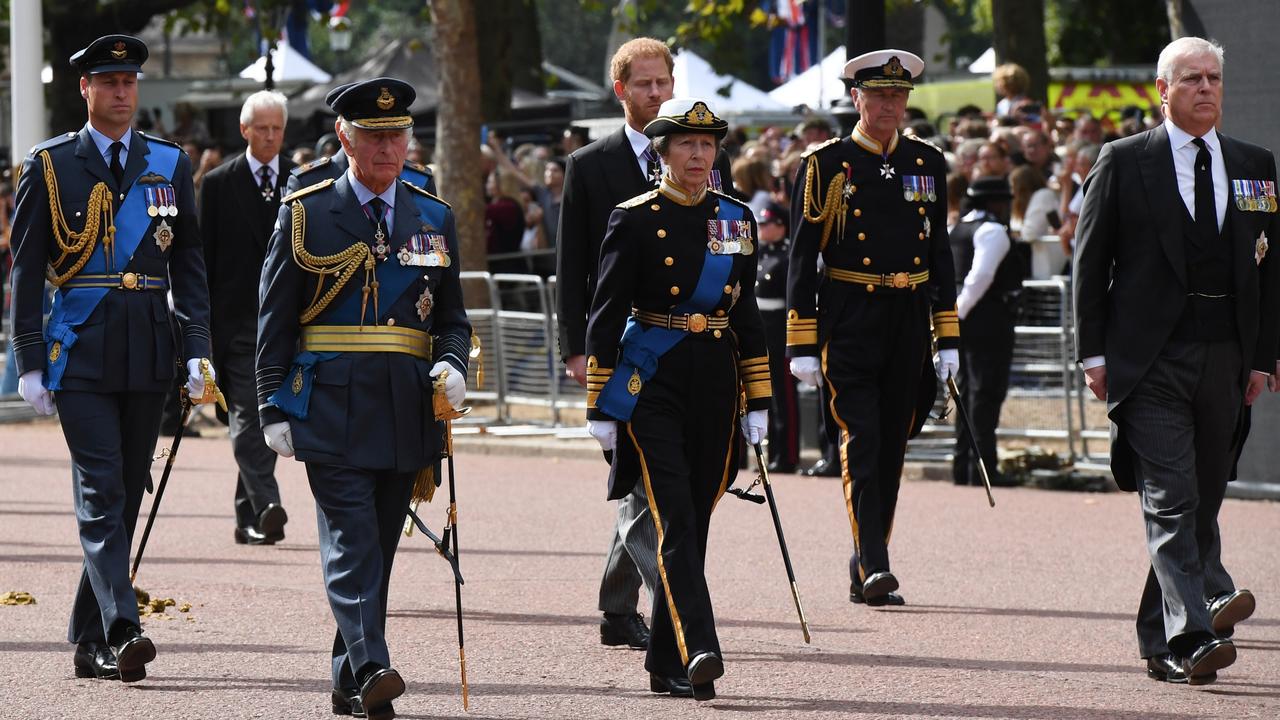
{"points": [[110, 214], [873, 205], [361, 311]]}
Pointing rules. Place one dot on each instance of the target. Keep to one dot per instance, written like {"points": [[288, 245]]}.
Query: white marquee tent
{"points": [[289, 64], [816, 87]]}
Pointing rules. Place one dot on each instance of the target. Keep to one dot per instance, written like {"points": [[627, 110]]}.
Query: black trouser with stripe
{"points": [[784, 413], [872, 362], [684, 428], [986, 353]]}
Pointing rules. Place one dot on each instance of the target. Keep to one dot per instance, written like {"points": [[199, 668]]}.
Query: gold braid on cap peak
{"points": [[342, 265], [98, 213], [830, 213]]}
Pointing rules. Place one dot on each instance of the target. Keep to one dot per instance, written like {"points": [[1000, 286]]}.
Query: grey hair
{"points": [[1185, 47], [262, 100], [346, 129], [662, 144]]}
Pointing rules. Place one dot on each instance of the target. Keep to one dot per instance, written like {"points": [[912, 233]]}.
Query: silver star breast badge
{"points": [[886, 171], [163, 236]]}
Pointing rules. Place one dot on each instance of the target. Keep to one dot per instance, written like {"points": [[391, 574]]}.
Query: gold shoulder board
{"points": [[299, 194], [816, 148], [308, 167], [922, 141], [639, 199], [422, 191]]}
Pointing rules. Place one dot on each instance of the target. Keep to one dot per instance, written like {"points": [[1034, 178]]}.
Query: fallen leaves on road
{"points": [[17, 597], [155, 607]]}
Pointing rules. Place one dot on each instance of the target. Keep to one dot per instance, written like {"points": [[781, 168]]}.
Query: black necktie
{"points": [[264, 186], [1206, 212], [377, 210], [117, 170]]}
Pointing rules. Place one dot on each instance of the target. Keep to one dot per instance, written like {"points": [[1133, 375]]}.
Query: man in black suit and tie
{"points": [[239, 201], [598, 177], [1176, 328]]}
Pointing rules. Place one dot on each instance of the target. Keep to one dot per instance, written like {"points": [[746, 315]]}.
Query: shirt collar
{"points": [[639, 141], [254, 165], [364, 194], [1179, 138], [103, 143]]}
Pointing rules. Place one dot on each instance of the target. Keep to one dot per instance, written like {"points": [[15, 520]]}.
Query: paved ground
{"points": [[1024, 611]]}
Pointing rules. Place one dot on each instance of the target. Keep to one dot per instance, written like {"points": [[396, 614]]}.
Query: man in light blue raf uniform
{"points": [[334, 166], [110, 214], [361, 311]]}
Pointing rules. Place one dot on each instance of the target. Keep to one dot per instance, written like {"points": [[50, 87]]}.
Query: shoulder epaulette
{"points": [[417, 166], [153, 138], [922, 141], [816, 148], [637, 200], [308, 167], [422, 191], [53, 142], [298, 194]]}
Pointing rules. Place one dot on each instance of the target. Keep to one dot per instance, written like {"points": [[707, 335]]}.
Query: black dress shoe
{"points": [[704, 691], [826, 467], [346, 701], [133, 651], [892, 599], [703, 668], [777, 467], [1202, 664], [271, 522], [1230, 610], [673, 686], [878, 584], [252, 536], [1166, 668], [95, 660], [377, 691], [624, 629]]}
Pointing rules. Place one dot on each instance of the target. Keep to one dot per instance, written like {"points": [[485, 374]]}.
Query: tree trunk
{"points": [[458, 162], [513, 54], [1019, 36], [1173, 8]]}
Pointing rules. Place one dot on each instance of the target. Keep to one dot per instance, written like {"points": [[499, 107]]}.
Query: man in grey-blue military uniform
{"points": [[361, 311]]}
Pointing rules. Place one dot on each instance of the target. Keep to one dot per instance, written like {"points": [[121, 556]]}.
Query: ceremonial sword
{"points": [[973, 438]]}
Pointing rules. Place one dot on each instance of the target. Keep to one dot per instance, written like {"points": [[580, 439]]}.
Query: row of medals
{"points": [[155, 208]]}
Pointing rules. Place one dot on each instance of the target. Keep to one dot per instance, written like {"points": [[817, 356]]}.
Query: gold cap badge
{"points": [[118, 51], [385, 100], [700, 114], [893, 68]]}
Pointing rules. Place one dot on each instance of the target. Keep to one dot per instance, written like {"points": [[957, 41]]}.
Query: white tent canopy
{"points": [[288, 64], [816, 87], [985, 64], [694, 77]]}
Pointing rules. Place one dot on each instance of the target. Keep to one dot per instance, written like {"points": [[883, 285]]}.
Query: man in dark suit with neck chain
{"points": [[1175, 301], [238, 205]]}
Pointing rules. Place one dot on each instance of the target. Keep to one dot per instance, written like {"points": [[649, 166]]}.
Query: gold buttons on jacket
{"points": [[655, 207], [675, 289], [391, 321], [915, 260], [871, 288], [921, 209], [862, 236], [857, 212], [669, 261], [716, 209], [921, 236], [853, 188], [662, 233], [715, 333], [719, 313], [866, 261], [919, 161], [728, 289]]}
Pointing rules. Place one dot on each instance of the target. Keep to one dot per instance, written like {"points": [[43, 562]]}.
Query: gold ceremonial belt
{"points": [[116, 281], [898, 281], [370, 338], [694, 323]]}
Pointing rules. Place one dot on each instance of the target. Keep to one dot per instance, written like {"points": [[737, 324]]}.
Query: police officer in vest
{"points": [[873, 205], [771, 296], [987, 278], [109, 213], [335, 165], [361, 311], [674, 334]]}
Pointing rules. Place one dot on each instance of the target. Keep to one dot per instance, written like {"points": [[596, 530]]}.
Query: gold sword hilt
{"points": [[211, 391]]}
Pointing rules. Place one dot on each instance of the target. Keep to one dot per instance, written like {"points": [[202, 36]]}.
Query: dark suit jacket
{"points": [[597, 178], [1131, 268], [236, 224], [126, 344]]}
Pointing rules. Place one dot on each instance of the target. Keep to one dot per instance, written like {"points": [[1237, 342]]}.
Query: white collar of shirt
{"points": [[364, 195], [103, 143], [255, 166], [639, 143], [1184, 161]]}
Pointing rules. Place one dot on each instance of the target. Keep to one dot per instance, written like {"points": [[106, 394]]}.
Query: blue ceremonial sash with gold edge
{"points": [[72, 306], [642, 346]]}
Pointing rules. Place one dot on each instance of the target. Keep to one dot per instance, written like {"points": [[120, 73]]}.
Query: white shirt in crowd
{"points": [[990, 245]]}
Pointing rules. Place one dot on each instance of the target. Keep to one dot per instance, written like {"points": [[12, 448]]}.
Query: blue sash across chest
{"points": [[73, 305], [642, 346]]}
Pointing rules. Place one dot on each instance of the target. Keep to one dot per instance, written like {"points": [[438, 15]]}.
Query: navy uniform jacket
{"points": [[771, 271], [886, 233], [368, 410], [127, 343], [334, 166]]}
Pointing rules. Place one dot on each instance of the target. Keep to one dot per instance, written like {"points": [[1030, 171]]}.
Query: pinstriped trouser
{"points": [[632, 557], [1180, 423]]}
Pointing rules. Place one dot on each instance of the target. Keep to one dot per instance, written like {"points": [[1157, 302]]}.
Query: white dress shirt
{"points": [[364, 195], [103, 143], [639, 143], [1184, 165], [990, 245]]}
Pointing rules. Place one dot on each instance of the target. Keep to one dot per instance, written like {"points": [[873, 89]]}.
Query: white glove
{"points": [[755, 426], [31, 388], [195, 378], [605, 432], [455, 383], [946, 363], [807, 370], [279, 438]]}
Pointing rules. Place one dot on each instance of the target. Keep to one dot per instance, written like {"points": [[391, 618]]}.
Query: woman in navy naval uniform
{"points": [[674, 337]]}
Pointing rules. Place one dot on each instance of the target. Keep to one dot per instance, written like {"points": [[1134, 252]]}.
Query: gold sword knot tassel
{"points": [[211, 391]]}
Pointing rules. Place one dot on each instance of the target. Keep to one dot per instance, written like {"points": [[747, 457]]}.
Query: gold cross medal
{"points": [[1260, 249], [380, 246], [163, 235]]}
